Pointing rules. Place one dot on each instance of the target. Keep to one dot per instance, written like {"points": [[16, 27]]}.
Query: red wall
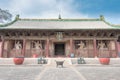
{"points": [[0, 48]]}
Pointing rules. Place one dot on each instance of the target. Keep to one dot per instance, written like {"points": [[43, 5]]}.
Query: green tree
{"points": [[5, 16]]}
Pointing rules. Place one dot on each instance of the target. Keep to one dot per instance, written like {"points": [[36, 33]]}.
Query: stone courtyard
{"points": [[68, 72]]}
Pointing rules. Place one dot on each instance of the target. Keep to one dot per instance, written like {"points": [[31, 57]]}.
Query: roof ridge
{"points": [[66, 19]]}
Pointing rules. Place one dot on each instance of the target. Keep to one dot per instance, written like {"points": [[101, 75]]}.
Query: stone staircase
{"points": [[87, 60], [6, 61], [51, 61], [9, 61], [95, 61]]}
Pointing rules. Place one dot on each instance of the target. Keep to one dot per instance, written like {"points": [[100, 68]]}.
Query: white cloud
{"points": [[51, 9], [45, 8]]}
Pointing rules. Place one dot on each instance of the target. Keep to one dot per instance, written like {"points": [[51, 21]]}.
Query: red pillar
{"points": [[24, 47], [95, 49], [71, 45], [118, 48], [1, 48], [47, 48]]}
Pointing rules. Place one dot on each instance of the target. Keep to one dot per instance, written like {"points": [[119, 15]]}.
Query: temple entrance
{"points": [[59, 49]]}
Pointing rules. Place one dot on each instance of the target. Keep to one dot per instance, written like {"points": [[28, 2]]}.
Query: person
{"points": [[18, 45]]}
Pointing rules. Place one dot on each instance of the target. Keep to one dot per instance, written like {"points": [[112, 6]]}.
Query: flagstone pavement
{"points": [[66, 73]]}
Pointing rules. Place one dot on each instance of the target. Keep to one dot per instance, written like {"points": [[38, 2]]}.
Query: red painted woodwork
{"points": [[104, 61], [118, 48], [24, 47], [95, 50], [1, 48], [47, 48], [71, 45], [18, 60]]}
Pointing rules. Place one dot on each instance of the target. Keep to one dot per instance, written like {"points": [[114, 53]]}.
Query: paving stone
{"points": [[100, 73], [19, 73], [68, 72], [60, 74]]}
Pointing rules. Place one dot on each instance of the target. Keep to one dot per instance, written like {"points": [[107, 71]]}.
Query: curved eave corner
{"points": [[7, 24], [112, 25]]}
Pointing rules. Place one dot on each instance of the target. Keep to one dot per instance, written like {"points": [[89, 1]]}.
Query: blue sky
{"points": [[67, 8]]}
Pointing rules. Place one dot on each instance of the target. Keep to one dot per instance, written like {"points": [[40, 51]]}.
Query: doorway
{"points": [[59, 48]]}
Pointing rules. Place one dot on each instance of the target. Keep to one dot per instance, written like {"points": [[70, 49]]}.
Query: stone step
{"points": [[51, 61], [96, 60], [26, 61], [87, 60], [6, 61]]}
